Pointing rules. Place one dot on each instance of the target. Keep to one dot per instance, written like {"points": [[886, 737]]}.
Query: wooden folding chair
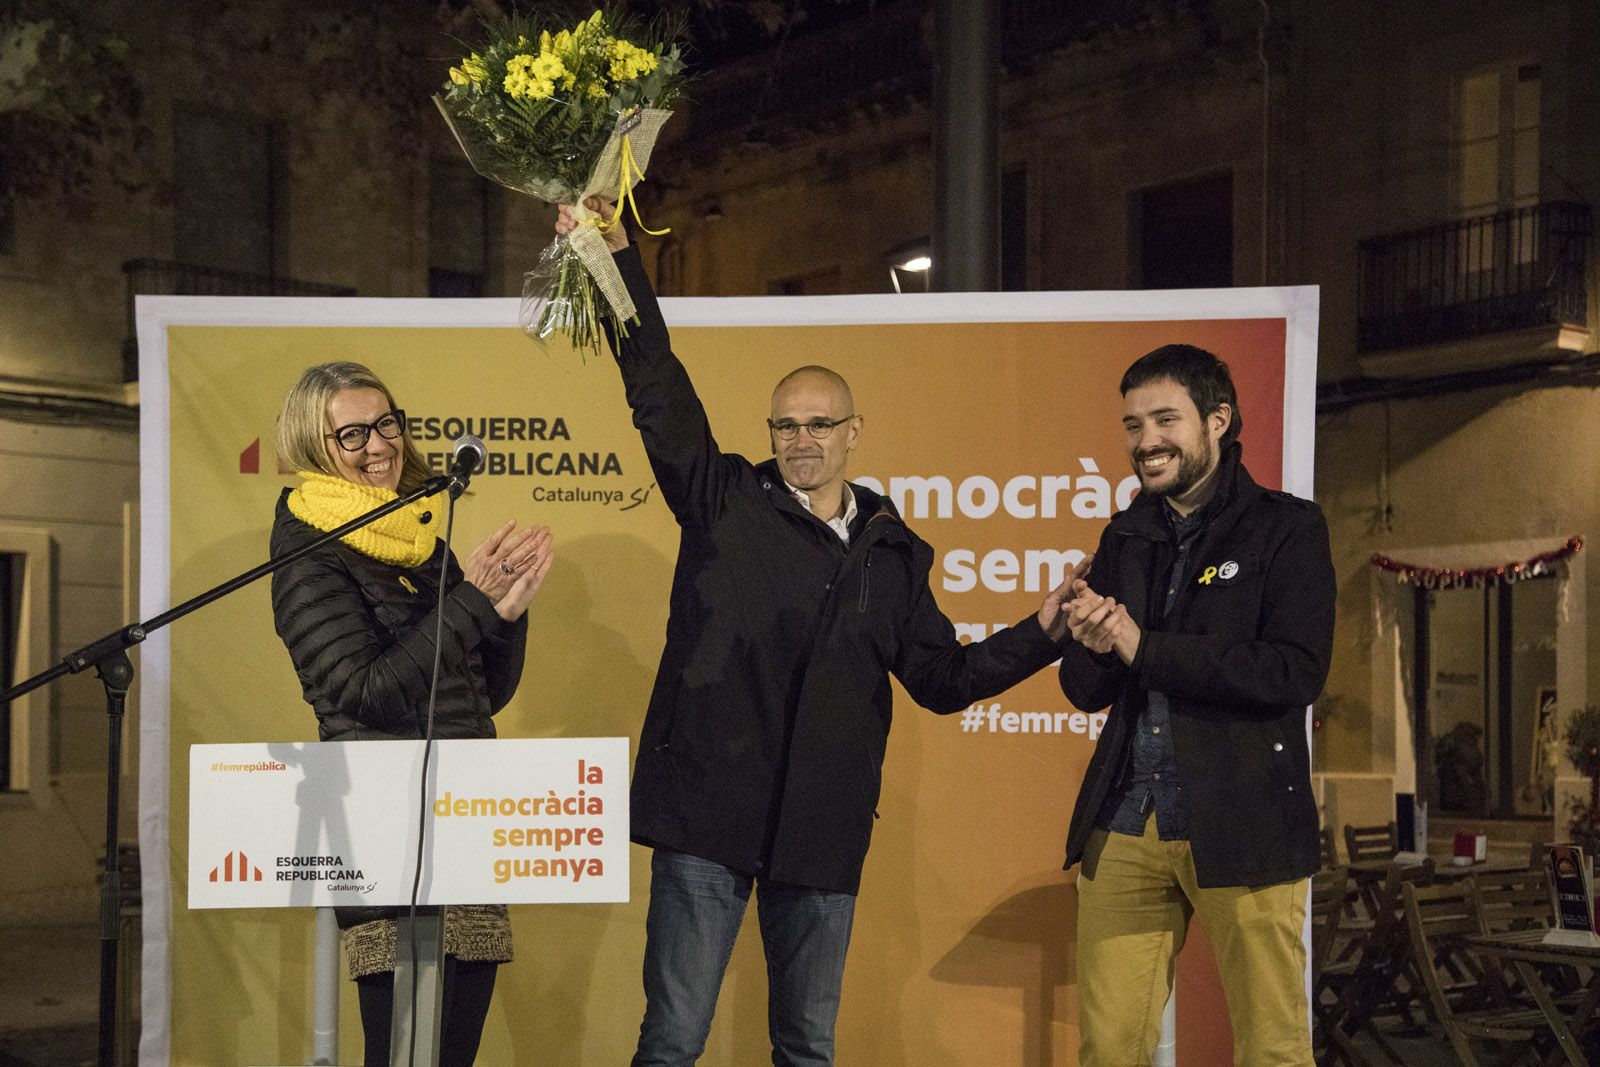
{"points": [[1518, 900], [1327, 907], [1351, 994], [1512, 900], [1437, 917], [1368, 849], [1370, 842]]}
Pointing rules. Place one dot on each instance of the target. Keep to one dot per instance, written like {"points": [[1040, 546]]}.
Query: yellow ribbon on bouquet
{"points": [[630, 168]]}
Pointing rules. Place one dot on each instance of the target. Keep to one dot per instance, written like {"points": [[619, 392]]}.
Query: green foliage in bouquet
{"points": [[540, 106]]}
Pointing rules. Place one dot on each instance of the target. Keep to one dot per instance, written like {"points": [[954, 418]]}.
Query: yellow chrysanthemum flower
{"points": [[598, 91], [548, 66], [628, 61], [525, 81]]}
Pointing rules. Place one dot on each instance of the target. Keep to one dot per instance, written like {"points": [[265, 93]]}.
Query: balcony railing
{"points": [[157, 277], [1455, 280]]}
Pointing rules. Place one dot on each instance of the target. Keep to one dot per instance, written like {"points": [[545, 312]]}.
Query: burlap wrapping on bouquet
{"points": [[622, 163]]}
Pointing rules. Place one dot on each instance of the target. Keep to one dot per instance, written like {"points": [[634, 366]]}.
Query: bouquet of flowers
{"points": [[565, 116]]}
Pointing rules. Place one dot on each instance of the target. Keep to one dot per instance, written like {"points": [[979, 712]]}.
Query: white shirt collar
{"points": [[840, 524]]}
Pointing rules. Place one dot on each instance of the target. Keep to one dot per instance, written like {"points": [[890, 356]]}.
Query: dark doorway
{"points": [[11, 588]]}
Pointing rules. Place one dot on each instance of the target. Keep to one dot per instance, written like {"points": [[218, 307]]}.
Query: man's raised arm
{"points": [[689, 467]]}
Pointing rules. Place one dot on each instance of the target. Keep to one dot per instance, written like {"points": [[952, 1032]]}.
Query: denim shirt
{"points": [[1150, 777]]}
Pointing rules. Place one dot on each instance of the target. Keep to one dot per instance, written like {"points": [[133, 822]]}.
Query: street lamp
{"points": [[909, 266]]}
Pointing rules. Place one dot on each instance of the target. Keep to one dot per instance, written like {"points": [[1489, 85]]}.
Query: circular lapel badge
{"points": [[1228, 570]]}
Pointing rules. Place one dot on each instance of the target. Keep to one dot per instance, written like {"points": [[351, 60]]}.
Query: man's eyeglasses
{"points": [[819, 429], [353, 438]]}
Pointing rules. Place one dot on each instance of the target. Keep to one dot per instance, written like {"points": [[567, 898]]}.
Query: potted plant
{"points": [[1583, 749]]}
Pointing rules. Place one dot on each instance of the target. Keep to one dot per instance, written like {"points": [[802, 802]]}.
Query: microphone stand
{"points": [[109, 657]]}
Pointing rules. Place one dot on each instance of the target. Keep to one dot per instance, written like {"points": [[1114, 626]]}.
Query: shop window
{"points": [[1486, 661]]}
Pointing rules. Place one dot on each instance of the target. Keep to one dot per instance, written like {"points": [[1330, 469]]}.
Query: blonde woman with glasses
{"points": [[359, 617]]}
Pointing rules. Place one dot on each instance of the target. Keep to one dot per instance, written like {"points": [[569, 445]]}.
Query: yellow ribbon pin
{"points": [[408, 586], [1205, 579]]}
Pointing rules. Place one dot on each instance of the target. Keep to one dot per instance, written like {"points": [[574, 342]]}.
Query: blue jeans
{"points": [[696, 907]]}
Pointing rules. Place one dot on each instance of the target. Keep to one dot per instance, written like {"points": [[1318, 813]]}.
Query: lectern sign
{"points": [[316, 824]]}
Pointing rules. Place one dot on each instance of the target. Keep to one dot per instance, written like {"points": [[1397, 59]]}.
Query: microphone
{"points": [[469, 454]]}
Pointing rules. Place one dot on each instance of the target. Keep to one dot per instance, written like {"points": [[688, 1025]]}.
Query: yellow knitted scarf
{"points": [[400, 537]]}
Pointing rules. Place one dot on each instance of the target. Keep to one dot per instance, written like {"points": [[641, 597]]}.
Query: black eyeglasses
{"points": [[819, 429], [353, 438]]}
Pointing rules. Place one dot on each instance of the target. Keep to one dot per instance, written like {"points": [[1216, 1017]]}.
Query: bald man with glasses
{"points": [[796, 595]]}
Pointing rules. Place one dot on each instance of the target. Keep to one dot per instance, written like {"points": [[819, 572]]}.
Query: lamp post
{"points": [[966, 147], [909, 266]]}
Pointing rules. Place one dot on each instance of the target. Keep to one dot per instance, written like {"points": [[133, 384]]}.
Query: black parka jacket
{"points": [[360, 633], [764, 741], [1242, 653]]}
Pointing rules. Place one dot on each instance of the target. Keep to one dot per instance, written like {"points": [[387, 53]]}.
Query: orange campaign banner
{"points": [[993, 423]]}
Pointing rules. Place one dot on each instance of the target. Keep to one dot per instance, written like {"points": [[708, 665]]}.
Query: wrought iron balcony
{"points": [[1456, 280], [158, 277]]}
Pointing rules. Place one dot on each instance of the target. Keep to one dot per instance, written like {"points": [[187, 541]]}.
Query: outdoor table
{"points": [[1526, 952], [1367, 876]]}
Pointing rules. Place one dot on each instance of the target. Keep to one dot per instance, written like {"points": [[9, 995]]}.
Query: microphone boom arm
{"points": [[109, 657]]}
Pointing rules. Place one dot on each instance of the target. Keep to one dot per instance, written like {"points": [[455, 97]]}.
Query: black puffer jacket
{"points": [[361, 633], [763, 745]]}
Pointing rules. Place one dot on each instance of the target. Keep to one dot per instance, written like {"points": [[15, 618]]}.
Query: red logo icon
{"points": [[236, 868], [250, 458]]}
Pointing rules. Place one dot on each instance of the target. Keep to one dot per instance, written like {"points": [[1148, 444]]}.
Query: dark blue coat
{"points": [[763, 745]]}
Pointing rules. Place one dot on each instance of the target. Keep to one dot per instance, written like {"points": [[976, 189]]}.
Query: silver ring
{"points": [[506, 568]]}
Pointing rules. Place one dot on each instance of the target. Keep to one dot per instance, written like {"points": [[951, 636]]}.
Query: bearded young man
{"points": [[1207, 625], [796, 595]]}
